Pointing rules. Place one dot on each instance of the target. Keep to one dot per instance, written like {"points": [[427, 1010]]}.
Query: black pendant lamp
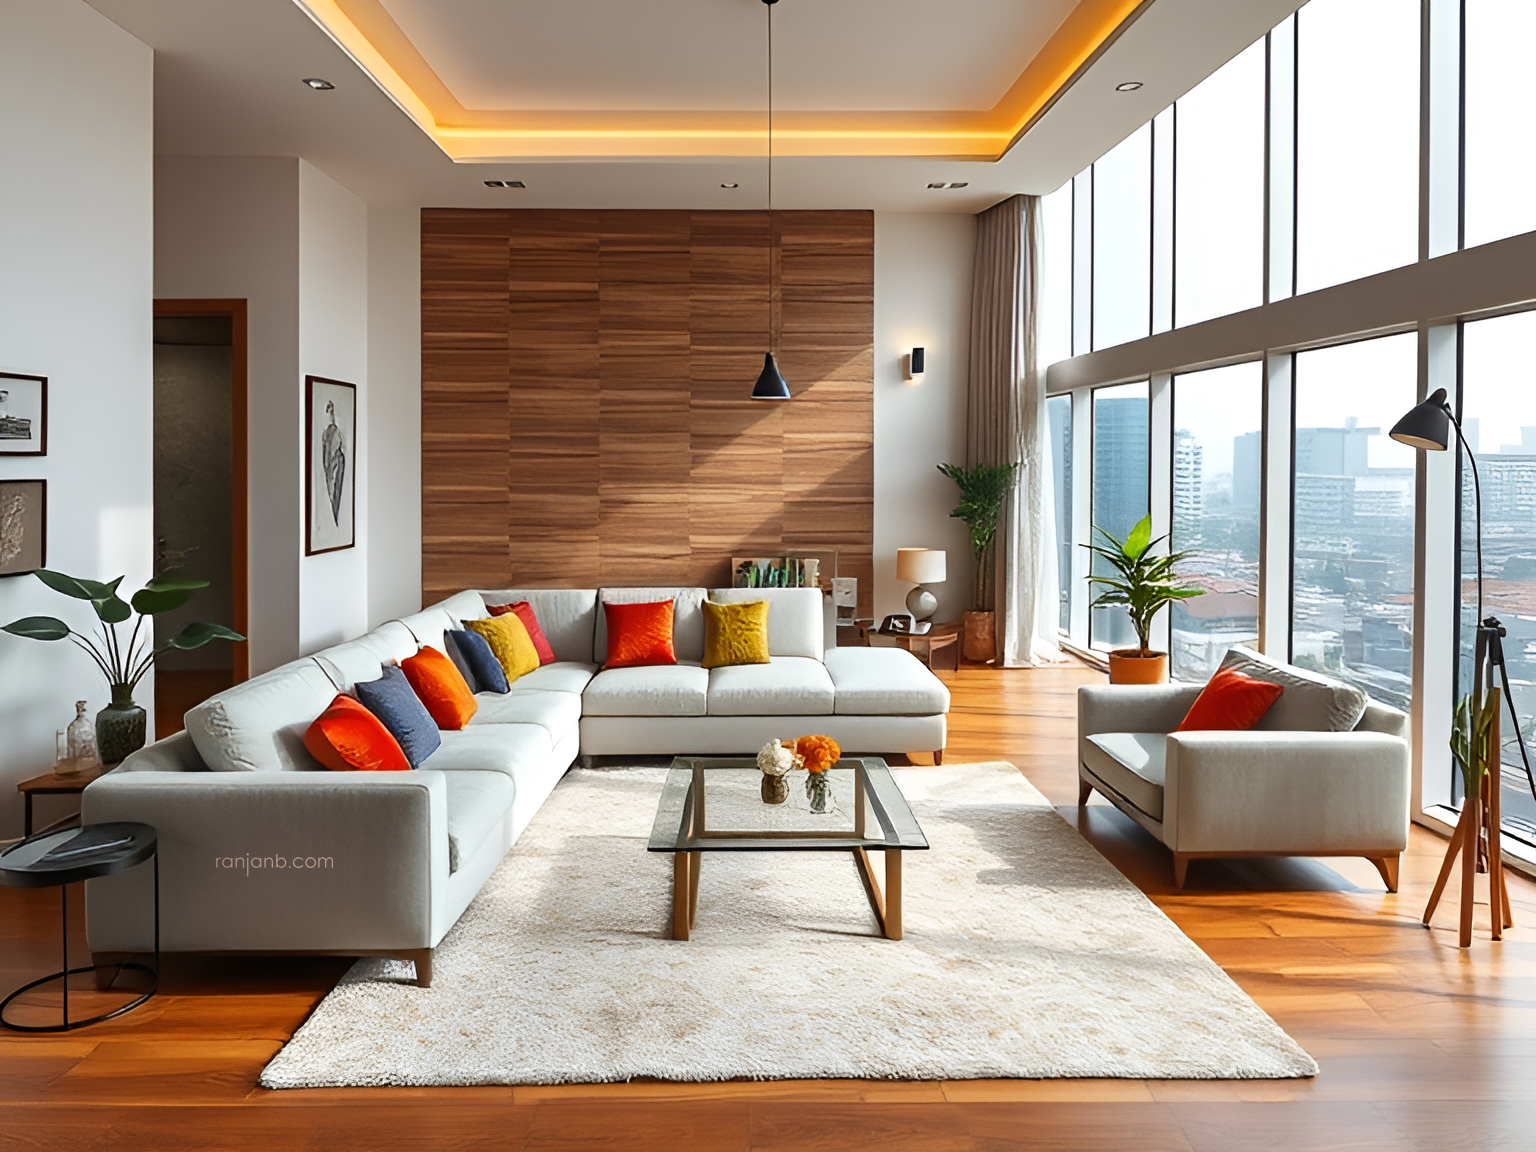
{"points": [[771, 384]]}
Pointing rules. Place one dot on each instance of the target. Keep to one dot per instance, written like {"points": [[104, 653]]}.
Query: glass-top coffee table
{"points": [[715, 804]]}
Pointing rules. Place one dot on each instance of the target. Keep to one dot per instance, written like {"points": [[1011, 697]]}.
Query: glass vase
{"points": [[119, 726], [80, 739], [818, 790]]}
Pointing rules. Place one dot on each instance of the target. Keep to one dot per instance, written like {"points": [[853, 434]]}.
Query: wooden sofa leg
{"points": [[422, 958], [1387, 866], [1084, 790], [1180, 870], [938, 757], [105, 976]]}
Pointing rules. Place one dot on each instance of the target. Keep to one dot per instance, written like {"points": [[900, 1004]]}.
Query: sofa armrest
{"points": [[1133, 707], [1286, 792], [274, 861]]}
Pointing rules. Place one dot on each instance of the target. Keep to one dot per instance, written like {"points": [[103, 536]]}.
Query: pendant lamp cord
{"points": [[772, 286]]}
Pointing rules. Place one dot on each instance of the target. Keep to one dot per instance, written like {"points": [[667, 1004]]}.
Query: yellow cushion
{"points": [[735, 633], [510, 643]]}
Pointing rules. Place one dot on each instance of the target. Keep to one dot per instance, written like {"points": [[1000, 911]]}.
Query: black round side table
{"points": [[58, 859]]}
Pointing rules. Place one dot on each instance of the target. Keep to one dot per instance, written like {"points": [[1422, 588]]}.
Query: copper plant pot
{"points": [[1133, 666], [980, 643]]}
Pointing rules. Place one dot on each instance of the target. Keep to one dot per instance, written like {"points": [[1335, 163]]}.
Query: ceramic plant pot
{"points": [[119, 727], [980, 643], [1133, 666]]}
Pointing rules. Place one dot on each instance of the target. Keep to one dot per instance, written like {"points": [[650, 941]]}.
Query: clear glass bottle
{"points": [[82, 739]]}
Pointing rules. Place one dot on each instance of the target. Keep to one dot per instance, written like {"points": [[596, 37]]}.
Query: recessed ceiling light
{"points": [[318, 84], [1128, 86], [727, 185], [504, 184]]}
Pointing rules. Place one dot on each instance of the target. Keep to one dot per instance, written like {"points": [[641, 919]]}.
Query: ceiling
{"points": [[607, 103]]}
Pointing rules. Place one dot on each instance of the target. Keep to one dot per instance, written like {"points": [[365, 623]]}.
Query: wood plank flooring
{"points": [[1422, 1045]]}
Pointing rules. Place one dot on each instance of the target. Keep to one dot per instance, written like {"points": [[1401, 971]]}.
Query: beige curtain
{"points": [[1006, 424]]}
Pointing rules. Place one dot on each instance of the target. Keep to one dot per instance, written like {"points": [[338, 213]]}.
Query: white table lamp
{"points": [[921, 566]]}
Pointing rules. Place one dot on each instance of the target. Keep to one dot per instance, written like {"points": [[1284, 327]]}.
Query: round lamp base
{"points": [[921, 603]]}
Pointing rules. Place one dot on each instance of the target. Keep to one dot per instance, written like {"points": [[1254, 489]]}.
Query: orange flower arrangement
{"points": [[818, 752]]}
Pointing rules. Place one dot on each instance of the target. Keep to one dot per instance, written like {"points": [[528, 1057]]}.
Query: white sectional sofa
{"points": [[263, 851]]}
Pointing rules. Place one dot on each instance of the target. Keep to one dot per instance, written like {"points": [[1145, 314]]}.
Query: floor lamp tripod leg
{"points": [[1452, 850]]}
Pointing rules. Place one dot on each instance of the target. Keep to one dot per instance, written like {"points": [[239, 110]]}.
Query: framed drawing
{"points": [[23, 415], [23, 526], [330, 470]]}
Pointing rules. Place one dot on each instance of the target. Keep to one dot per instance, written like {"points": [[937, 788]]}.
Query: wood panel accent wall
{"points": [[585, 376]]}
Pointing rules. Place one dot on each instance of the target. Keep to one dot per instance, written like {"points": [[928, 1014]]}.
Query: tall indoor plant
{"points": [[1144, 583], [982, 492], [120, 725]]}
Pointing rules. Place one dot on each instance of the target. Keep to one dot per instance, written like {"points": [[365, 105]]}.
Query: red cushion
{"points": [[639, 634], [524, 612], [1231, 702], [346, 737], [440, 686]]}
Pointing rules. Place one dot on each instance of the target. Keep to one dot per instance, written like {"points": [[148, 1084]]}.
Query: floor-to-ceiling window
{"points": [[1120, 496], [1058, 411], [1122, 241], [1500, 120]]}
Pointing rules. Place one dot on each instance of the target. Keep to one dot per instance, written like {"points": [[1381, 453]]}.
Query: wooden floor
{"points": [[1422, 1046]]}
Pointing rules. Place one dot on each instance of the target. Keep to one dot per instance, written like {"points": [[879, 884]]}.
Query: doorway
{"points": [[200, 494]]}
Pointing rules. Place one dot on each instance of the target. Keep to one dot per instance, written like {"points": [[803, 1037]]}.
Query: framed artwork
{"points": [[330, 453], [23, 415], [23, 526]]}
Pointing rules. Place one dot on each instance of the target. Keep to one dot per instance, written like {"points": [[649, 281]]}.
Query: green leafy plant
{"points": [[124, 665], [982, 492], [1143, 581], [1471, 732]]}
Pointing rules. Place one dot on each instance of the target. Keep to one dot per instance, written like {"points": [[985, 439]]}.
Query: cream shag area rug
{"points": [[1026, 955]]}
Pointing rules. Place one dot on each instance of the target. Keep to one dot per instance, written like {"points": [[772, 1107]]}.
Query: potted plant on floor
{"points": [[1143, 583], [982, 492], [120, 726]]}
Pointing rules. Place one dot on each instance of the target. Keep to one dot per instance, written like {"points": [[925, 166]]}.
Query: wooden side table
{"points": [[924, 645], [52, 784]]}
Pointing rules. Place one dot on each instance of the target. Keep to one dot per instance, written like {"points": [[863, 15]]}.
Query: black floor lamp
{"points": [[1428, 426]]}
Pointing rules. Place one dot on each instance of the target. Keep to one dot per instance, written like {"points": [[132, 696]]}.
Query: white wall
{"points": [[923, 299], [75, 258], [227, 227], [394, 412], [333, 342]]}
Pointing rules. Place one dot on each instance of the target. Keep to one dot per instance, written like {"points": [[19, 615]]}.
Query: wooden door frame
{"points": [[239, 520]]}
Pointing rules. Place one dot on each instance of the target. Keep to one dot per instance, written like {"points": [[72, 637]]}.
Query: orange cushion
{"points": [[639, 634], [524, 611], [439, 685], [346, 737], [1231, 702]]}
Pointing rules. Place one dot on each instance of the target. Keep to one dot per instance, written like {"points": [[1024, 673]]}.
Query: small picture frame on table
{"points": [[23, 414], [330, 468], [23, 526]]}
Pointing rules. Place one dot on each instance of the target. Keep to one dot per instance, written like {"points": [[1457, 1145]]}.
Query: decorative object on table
{"points": [[982, 492], [79, 751], [816, 754], [897, 624], [23, 415], [776, 761], [1475, 736], [771, 385], [59, 859], [330, 469], [921, 567], [845, 600], [120, 725], [23, 526], [776, 572], [1144, 583]]}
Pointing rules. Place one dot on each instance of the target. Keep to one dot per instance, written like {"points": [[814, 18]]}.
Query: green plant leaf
{"points": [[79, 589], [151, 601], [111, 610], [174, 584], [1140, 539], [38, 628], [198, 633]]}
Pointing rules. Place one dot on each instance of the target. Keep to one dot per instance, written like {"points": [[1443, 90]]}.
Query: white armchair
{"points": [[1248, 793]]}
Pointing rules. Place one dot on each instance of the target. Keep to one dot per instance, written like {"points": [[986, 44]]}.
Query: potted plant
{"points": [[120, 725], [982, 492], [1143, 583]]}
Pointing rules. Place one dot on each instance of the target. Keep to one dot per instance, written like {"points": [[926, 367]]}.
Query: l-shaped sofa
{"points": [[262, 851]]}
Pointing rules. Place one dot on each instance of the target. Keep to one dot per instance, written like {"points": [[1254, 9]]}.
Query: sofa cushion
{"points": [[687, 618], [509, 640], [477, 802], [559, 713], [346, 737], [259, 726], [735, 633], [1131, 763], [524, 612], [884, 682], [659, 690], [487, 672], [504, 748], [561, 676], [1310, 703], [441, 687], [567, 616], [1230, 702], [639, 635], [395, 703], [796, 617], [785, 686]]}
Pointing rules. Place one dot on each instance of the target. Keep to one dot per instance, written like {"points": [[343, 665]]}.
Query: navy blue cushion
{"points": [[451, 645], [391, 699], [490, 676]]}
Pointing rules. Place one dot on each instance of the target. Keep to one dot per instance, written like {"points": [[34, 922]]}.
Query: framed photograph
{"points": [[330, 452], [23, 415], [23, 526]]}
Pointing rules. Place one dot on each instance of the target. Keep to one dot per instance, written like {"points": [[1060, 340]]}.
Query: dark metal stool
{"points": [[59, 859]]}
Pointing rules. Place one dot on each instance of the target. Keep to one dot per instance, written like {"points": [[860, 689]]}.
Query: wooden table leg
{"points": [[682, 884], [693, 887], [893, 893]]}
